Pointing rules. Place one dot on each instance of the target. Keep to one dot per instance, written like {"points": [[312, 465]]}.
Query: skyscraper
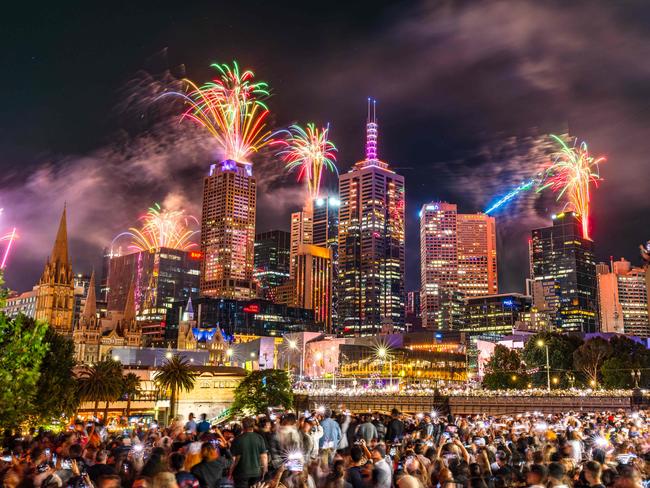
{"points": [[564, 264], [326, 234], [228, 231], [371, 243], [55, 297], [477, 255], [438, 263], [158, 278], [458, 259], [623, 299], [302, 229], [271, 259], [314, 282]]}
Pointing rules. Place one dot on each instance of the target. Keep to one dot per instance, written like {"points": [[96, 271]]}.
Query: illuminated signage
{"points": [[252, 308], [195, 255]]}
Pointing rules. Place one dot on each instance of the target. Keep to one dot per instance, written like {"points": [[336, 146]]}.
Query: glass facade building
{"points": [[564, 263], [271, 259]]}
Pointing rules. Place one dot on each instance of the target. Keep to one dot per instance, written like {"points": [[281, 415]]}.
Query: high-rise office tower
{"points": [[301, 233], [157, 278], [271, 259], [477, 255], [564, 264], [326, 234], [623, 299], [371, 243], [228, 231], [438, 263], [313, 282], [55, 296], [458, 259]]}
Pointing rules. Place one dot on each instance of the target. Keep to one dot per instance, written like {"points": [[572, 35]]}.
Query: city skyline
{"points": [[422, 144]]}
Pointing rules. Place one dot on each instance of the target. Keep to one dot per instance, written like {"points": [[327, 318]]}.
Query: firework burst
{"points": [[570, 175], [311, 151], [161, 228], [231, 107]]}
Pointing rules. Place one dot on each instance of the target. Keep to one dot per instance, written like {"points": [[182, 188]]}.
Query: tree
{"points": [[560, 352], [261, 390], [589, 358], [504, 370], [56, 389], [629, 356], [175, 375], [130, 388], [101, 382], [22, 346]]}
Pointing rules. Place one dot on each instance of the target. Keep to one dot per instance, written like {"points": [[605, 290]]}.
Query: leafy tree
{"points": [[590, 356], [175, 375], [261, 390], [504, 370], [101, 382], [56, 390], [628, 356], [22, 348], [130, 388], [560, 353]]}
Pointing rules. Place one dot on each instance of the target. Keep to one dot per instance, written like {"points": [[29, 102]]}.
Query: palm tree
{"points": [[101, 382], [175, 375], [130, 388]]}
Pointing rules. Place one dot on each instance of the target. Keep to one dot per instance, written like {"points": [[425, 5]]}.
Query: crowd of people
{"points": [[326, 449]]}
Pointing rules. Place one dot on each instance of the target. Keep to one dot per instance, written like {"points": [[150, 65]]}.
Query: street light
{"points": [[383, 353], [541, 343], [168, 355]]}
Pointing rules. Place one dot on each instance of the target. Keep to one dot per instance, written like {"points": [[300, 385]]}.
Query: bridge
{"points": [[470, 404]]}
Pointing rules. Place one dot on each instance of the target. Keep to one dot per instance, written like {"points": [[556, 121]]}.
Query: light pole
{"points": [[541, 343], [383, 353], [293, 344]]}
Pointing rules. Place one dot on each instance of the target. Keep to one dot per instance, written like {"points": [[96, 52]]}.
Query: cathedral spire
{"points": [[90, 307], [60, 250], [129, 307]]}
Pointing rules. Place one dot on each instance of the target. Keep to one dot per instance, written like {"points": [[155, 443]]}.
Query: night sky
{"points": [[464, 90]]}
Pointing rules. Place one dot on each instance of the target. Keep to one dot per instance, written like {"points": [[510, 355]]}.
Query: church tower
{"points": [[55, 299]]}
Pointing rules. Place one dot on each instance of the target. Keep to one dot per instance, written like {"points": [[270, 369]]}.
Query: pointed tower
{"points": [[89, 313], [371, 242], [55, 299]]}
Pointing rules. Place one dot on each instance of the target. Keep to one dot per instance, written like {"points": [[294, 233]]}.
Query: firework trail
{"points": [[570, 174], [311, 151], [231, 107], [525, 186], [161, 228], [9, 238]]}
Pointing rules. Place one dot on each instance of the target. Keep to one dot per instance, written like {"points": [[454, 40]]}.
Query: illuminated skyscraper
{"points": [[228, 231], [564, 264], [458, 259], [623, 299], [271, 259], [438, 263], [301, 233], [477, 255], [371, 243], [326, 234], [314, 282]]}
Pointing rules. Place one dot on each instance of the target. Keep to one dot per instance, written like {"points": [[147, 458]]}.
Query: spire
{"points": [[371, 131], [60, 250], [129, 307], [90, 307], [189, 311]]}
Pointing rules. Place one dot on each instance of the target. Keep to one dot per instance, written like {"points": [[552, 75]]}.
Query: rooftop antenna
{"points": [[371, 131]]}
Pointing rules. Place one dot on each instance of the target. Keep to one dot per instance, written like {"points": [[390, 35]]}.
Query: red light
{"points": [[252, 308], [195, 255]]}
